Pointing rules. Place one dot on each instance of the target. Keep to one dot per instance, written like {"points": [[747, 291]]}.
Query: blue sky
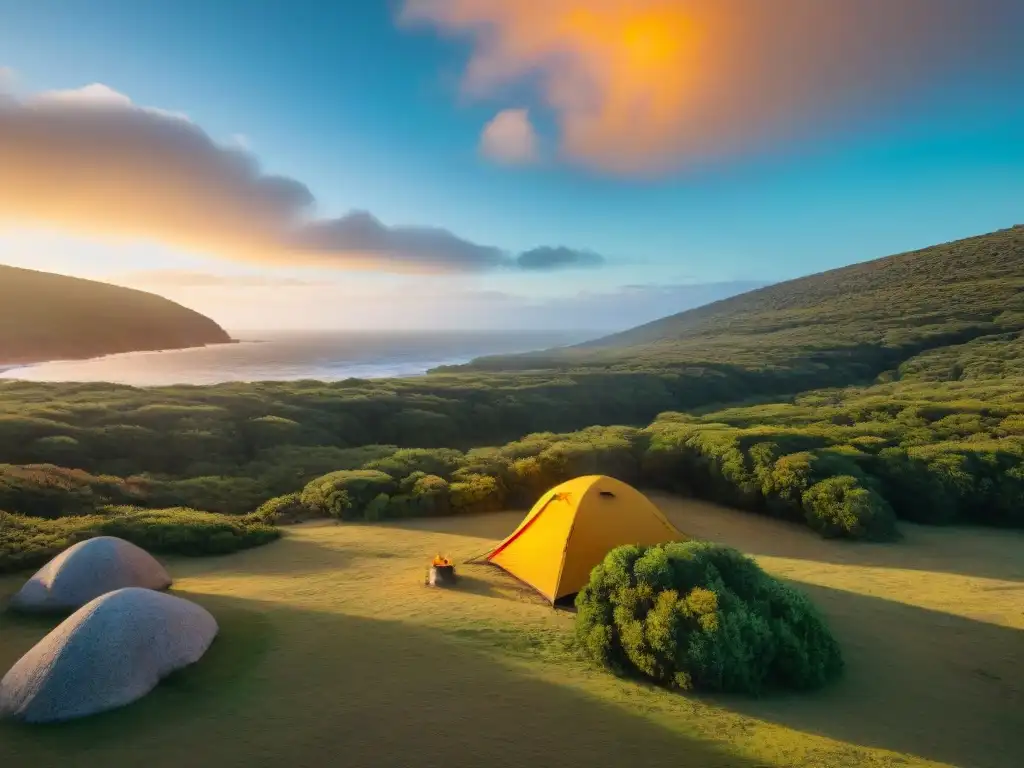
{"points": [[370, 114]]}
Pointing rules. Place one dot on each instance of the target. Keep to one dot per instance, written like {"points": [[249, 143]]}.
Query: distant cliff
{"points": [[44, 316]]}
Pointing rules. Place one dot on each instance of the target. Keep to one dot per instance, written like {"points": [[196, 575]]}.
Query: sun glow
{"points": [[644, 86]]}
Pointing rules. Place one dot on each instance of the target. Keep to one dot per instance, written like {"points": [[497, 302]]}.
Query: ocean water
{"points": [[282, 356]]}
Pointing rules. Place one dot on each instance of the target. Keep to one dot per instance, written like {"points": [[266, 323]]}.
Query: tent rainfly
{"points": [[571, 529]]}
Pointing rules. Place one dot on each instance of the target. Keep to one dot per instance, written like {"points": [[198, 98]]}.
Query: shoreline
{"points": [[212, 364], [9, 365], [426, 369]]}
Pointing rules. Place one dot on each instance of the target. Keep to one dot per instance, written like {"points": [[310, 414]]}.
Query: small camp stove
{"points": [[442, 572]]}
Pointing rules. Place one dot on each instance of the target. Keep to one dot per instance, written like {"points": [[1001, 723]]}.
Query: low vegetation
{"points": [[695, 615], [934, 434], [949, 314], [202, 431], [29, 542], [847, 463]]}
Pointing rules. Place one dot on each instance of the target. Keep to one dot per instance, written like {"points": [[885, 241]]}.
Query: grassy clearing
{"points": [[332, 651]]}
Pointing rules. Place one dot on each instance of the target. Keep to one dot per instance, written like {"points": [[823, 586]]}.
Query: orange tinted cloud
{"points": [[91, 161], [639, 86], [509, 137], [181, 278]]}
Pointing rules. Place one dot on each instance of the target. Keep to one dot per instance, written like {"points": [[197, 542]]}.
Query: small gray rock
{"points": [[108, 653], [87, 570]]}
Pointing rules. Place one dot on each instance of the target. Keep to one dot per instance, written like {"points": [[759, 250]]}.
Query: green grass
{"points": [[333, 650]]}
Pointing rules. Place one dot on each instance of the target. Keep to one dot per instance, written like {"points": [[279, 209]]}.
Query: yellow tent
{"points": [[572, 527]]}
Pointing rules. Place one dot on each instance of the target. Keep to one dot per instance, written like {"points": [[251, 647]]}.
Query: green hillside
{"points": [[847, 402], [834, 328], [47, 317]]}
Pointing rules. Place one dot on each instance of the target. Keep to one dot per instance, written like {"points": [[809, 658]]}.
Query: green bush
{"points": [[284, 468], [44, 490], [185, 531], [281, 510], [476, 493], [784, 485], [230, 495], [842, 461], [839, 507], [405, 461], [427, 494], [696, 615], [346, 494], [29, 542]]}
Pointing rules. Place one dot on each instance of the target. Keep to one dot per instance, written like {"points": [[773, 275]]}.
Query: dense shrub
{"points": [[403, 462], [784, 483], [430, 494], [346, 494], [702, 616], [284, 468], [934, 427], [29, 542], [908, 483], [839, 507], [44, 490], [184, 531], [476, 493], [844, 462], [826, 488], [418, 495], [282, 510], [230, 495]]}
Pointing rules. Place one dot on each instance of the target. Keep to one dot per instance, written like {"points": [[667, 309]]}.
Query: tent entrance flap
{"points": [[530, 520]]}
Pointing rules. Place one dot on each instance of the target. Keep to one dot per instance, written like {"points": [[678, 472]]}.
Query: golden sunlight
{"points": [[638, 86]]}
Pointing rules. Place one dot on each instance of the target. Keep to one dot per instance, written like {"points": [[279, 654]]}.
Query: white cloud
{"points": [[510, 138], [94, 93], [131, 172], [99, 95]]}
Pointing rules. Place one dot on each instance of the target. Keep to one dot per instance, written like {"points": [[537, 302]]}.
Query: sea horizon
{"points": [[293, 355]]}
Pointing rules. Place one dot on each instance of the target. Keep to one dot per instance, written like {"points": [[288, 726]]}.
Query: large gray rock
{"points": [[87, 570], [108, 653]]}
